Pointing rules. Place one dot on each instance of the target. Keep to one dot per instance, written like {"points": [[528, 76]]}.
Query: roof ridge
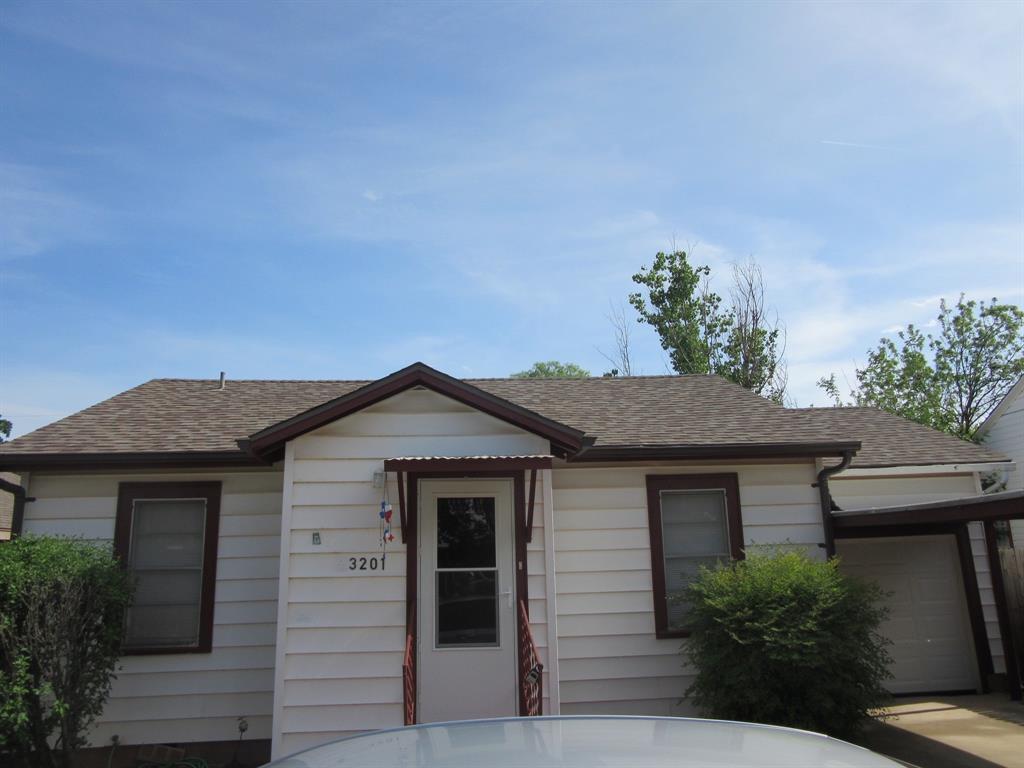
{"points": [[261, 381], [468, 378], [841, 408]]}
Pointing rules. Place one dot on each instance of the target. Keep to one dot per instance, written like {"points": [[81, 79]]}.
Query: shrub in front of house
{"points": [[62, 606], [783, 639]]}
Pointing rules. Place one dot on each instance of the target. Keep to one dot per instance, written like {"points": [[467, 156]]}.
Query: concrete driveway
{"points": [[952, 732]]}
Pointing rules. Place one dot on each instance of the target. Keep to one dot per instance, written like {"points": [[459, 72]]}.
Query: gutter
{"points": [[19, 505], [826, 500], [716, 451]]}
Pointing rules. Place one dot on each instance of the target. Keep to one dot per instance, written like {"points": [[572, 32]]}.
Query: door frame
{"points": [[968, 576], [519, 545]]}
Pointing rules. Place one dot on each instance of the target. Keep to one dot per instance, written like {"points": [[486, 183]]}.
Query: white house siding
{"points": [[1006, 436], [342, 633], [853, 492], [610, 661], [188, 697]]}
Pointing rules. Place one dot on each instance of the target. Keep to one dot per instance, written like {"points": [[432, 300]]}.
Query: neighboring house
{"points": [[1003, 431], [531, 517], [7, 507]]}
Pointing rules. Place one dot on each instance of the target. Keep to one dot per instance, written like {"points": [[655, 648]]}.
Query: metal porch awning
{"points": [[470, 465]]}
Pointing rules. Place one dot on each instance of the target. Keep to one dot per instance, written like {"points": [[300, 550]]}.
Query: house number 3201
{"points": [[365, 564]]}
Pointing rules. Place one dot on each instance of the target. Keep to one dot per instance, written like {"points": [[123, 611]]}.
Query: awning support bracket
{"points": [[401, 504], [529, 506]]}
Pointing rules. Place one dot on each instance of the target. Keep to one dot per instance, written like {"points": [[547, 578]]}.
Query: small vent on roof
{"points": [[222, 379]]}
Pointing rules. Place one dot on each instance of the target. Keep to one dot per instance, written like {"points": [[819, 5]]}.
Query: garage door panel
{"points": [[928, 622], [939, 590], [901, 630]]}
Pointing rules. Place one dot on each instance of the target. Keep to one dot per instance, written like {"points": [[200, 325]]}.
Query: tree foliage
{"points": [[5, 429], [552, 369], [62, 605], [782, 639], [702, 335], [951, 380]]}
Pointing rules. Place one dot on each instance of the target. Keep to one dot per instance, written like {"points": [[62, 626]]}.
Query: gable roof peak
{"points": [[269, 441]]}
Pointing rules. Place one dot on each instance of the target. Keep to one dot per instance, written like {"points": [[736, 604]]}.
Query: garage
{"points": [[922, 555], [928, 621]]}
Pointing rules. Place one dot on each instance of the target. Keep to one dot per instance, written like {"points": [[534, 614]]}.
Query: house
{"points": [[328, 557], [1003, 431]]}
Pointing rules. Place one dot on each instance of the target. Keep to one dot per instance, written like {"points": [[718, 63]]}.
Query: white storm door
{"points": [[466, 635]]}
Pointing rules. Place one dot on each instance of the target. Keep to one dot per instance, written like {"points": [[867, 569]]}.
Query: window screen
{"points": [[166, 559], [695, 532]]}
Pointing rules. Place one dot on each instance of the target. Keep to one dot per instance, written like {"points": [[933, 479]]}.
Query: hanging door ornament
{"points": [[386, 536]]}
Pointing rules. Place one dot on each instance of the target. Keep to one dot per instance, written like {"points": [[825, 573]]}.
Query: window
{"points": [[166, 535], [694, 521]]}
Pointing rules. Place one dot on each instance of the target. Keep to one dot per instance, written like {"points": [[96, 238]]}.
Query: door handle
{"points": [[508, 593]]}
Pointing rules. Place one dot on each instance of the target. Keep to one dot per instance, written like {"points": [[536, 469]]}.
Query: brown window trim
{"points": [[728, 482], [127, 494]]}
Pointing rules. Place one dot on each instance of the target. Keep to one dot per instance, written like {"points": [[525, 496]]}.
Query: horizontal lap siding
{"points": [[1007, 437], [188, 697], [851, 492], [345, 630], [610, 662]]}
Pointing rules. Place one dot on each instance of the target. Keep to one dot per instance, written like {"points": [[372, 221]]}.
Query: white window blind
{"points": [[166, 559], [695, 532]]}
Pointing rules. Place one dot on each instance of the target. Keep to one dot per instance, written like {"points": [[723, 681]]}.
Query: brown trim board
{"points": [[128, 460], [719, 451], [967, 573], [413, 542], [127, 494]]}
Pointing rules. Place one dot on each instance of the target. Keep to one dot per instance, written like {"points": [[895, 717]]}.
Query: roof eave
{"points": [[720, 451], [128, 460]]}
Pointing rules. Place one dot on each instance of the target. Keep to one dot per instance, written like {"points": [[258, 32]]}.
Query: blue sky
{"points": [[322, 190]]}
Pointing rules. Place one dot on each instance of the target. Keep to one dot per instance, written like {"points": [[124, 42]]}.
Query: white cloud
{"points": [[36, 214]]}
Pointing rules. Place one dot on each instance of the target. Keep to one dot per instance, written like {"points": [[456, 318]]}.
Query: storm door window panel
{"points": [[467, 573], [695, 533], [166, 560]]}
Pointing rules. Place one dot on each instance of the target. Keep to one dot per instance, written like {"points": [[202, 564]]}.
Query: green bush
{"points": [[782, 639], [62, 606]]}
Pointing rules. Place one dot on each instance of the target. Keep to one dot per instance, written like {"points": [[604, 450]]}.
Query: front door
{"points": [[467, 658]]}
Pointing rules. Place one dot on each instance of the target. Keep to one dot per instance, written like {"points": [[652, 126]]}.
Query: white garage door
{"points": [[928, 621]]}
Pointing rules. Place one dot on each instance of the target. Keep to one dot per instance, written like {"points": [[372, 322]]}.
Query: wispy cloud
{"points": [[853, 144], [36, 214]]}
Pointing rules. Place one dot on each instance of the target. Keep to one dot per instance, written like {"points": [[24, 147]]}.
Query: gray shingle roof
{"points": [[195, 415], [889, 440]]}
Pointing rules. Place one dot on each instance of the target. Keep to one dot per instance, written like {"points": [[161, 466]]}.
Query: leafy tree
{"points": [[782, 639], [738, 341], [5, 429], [950, 381], [62, 605], [552, 369]]}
